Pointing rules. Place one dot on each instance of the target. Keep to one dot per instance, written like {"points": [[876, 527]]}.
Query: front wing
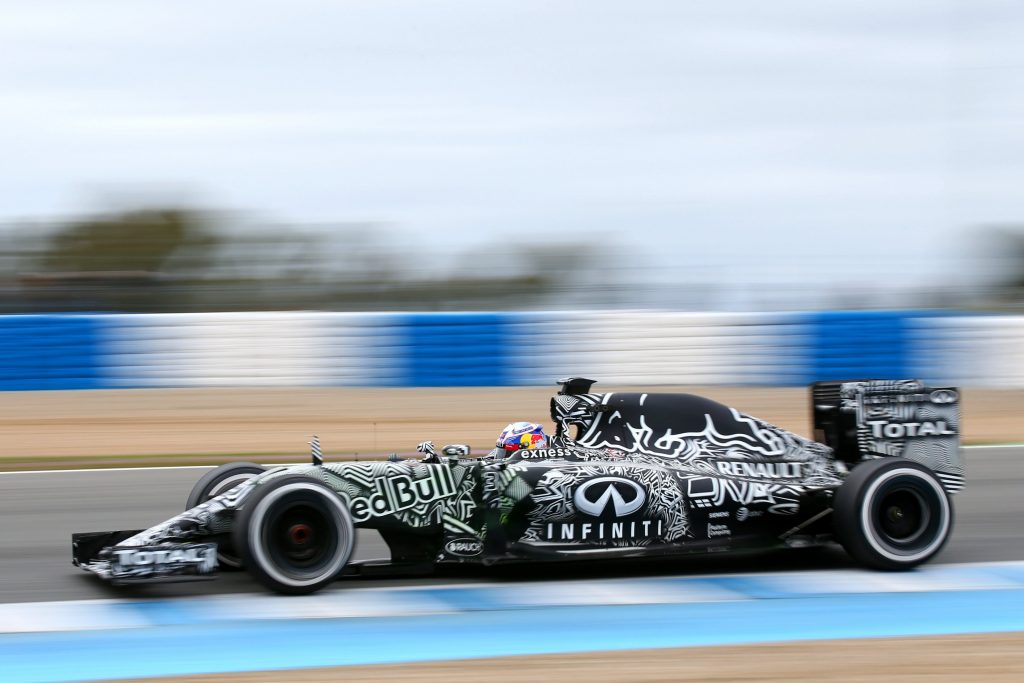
{"points": [[101, 554]]}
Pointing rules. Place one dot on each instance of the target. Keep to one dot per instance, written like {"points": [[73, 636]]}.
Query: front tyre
{"points": [[294, 534], [892, 514], [215, 482], [220, 480]]}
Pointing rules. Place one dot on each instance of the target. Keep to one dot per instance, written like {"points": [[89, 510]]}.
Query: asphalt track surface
{"points": [[40, 510]]}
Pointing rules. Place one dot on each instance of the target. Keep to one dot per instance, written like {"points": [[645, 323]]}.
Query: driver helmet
{"points": [[522, 435]]}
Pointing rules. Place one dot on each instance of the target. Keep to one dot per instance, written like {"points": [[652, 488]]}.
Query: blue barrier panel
{"points": [[858, 345], [49, 352], [498, 349], [455, 349]]}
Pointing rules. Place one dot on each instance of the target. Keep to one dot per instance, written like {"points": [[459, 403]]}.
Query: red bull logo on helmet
{"points": [[522, 436], [532, 441]]}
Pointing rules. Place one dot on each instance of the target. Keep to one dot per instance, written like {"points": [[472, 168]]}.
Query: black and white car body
{"points": [[627, 475]]}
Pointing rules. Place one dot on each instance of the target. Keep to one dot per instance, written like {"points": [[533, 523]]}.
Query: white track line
{"points": [[160, 467], [114, 469]]}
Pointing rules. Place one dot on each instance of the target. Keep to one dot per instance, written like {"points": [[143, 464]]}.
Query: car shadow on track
{"points": [[818, 558]]}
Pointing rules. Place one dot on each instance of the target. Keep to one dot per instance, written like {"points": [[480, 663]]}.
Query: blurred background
{"points": [[463, 156], [452, 194]]}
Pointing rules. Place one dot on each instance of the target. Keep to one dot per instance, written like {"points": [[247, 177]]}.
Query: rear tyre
{"points": [[892, 514], [294, 534], [212, 484]]}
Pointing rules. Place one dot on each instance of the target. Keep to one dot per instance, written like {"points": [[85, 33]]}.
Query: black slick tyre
{"points": [[294, 534], [892, 514], [220, 480], [215, 482]]}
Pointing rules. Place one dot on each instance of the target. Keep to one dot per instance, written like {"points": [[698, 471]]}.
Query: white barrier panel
{"points": [[979, 351], [211, 349], [644, 347], [251, 349]]}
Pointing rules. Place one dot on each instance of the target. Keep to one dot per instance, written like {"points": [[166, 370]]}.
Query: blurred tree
{"points": [[1013, 248], [142, 241], [136, 260], [180, 259], [995, 256]]}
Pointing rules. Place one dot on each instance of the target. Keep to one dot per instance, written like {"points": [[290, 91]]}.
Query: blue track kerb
{"points": [[253, 645], [50, 352], [456, 349], [144, 638]]}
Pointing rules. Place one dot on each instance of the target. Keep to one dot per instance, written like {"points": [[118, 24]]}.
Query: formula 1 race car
{"points": [[625, 475]]}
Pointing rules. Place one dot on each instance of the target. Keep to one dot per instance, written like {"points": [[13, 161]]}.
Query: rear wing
{"points": [[891, 418]]}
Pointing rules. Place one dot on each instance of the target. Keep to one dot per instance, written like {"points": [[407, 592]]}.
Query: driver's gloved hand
{"points": [[427, 449]]}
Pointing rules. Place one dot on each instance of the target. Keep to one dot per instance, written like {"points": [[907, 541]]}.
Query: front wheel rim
{"points": [[300, 539]]}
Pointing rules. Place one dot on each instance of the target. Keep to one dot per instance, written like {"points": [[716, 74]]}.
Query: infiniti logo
{"points": [[593, 497], [943, 396]]}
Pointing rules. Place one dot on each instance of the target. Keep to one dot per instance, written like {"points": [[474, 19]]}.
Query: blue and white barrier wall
{"points": [[504, 349]]}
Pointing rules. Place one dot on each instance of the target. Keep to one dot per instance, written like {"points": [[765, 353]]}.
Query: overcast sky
{"points": [[757, 141]]}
